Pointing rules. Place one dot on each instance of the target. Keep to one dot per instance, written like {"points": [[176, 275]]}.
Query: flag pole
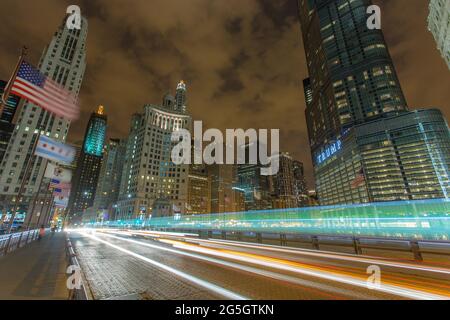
{"points": [[50, 204], [7, 90], [36, 197], [22, 185]]}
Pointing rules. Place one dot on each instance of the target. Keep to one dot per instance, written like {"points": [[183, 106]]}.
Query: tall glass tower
{"points": [[64, 60], [352, 76], [352, 85], [89, 165]]}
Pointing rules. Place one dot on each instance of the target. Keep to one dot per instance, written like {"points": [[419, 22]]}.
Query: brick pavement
{"points": [[36, 271]]}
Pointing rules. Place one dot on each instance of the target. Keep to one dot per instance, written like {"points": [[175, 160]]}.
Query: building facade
{"points": [[439, 26], [64, 60], [353, 86], [149, 176], [300, 185], [108, 187], [352, 76], [199, 190], [406, 157], [256, 187], [6, 119], [285, 184], [225, 195], [85, 180]]}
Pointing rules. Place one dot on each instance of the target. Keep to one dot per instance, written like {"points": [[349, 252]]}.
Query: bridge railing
{"points": [[352, 244], [14, 241], [422, 220]]}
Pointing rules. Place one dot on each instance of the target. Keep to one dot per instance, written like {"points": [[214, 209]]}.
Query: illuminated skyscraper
{"points": [[64, 60], [352, 95], [151, 183], [285, 184], [256, 188], [199, 190], [108, 185], [180, 97], [352, 76], [300, 186], [84, 182], [439, 25]]}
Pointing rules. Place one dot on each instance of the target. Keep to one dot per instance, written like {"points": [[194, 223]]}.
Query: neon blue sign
{"points": [[330, 151]]}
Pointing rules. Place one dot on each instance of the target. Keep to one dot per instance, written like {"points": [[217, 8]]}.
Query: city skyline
{"points": [[151, 69], [141, 196]]}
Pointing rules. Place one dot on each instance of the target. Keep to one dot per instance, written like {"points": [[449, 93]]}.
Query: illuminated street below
{"points": [[120, 264]]}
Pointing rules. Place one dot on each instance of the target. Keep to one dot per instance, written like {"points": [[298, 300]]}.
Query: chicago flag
{"points": [[55, 151]]}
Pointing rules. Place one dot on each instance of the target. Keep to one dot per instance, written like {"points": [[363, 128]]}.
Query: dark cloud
{"points": [[243, 60]]}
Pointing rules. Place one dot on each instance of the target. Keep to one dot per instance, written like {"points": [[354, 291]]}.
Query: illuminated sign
{"points": [[330, 151]]}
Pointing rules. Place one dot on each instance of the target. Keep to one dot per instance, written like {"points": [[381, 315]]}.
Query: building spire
{"points": [[180, 97], [101, 110]]}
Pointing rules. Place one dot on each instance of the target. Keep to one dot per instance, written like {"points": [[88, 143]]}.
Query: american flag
{"points": [[44, 92], [359, 180], [57, 184]]}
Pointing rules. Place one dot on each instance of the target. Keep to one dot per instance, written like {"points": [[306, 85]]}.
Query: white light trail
{"points": [[207, 285], [304, 252], [391, 289], [336, 256]]}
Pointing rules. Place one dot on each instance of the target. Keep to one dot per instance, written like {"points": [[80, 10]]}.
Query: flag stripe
{"points": [[39, 97], [55, 108], [44, 153], [49, 94]]}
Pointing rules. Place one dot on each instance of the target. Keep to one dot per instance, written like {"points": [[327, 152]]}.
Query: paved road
{"points": [[147, 265]]}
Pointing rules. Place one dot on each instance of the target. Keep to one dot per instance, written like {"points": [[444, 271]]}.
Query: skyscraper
{"points": [[300, 186], [110, 176], [64, 60], [6, 119], [180, 97], [439, 25], [226, 196], [256, 188], [352, 85], [352, 76], [84, 182], [285, 184], [199, 190], [151, 183]]}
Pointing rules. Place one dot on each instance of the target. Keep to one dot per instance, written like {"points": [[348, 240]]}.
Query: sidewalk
{"points": [[36, 271]]}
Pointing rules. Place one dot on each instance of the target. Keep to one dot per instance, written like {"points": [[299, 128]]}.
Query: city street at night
{"points": [[224, 159]]}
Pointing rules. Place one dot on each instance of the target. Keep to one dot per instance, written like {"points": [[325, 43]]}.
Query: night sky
{"points": [[243, 60]]}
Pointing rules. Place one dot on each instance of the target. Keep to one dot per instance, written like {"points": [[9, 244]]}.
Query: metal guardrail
{"points": [[83, 293], [14, 241], [317, 242]]}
